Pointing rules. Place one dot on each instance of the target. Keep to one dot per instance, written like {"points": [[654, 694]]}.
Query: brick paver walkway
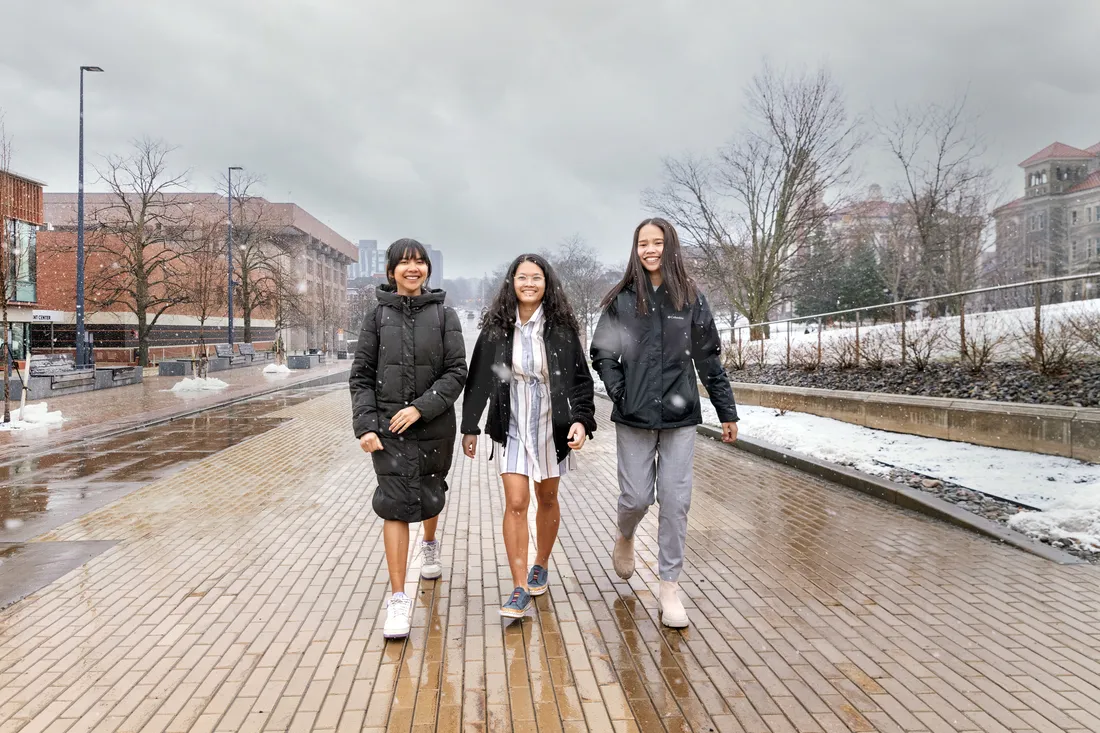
{"points": [[245, 594]]}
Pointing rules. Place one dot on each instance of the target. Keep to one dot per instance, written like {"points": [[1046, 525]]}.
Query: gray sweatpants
{"points": [[655, 465]]}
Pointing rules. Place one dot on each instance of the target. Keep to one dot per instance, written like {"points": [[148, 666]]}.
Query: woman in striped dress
{"points": [[530, 367]]}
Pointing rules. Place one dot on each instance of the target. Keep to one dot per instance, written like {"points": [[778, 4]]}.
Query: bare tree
{"points": [[361, 302], [7, 244], [945, 188], [208, 275], [285, 292], [751, 209], [256, 240], [142, 238], [584, 277]]}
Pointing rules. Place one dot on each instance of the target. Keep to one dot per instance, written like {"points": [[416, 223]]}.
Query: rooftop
{"points": [[1059, 151], [60, 210]]}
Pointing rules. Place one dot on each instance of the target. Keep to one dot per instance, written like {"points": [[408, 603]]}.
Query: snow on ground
{"points": [[1066, 491], [1007, 327], [276, 369], [199, 384], [31, 417]]}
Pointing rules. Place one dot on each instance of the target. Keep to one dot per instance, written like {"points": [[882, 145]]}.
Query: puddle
{"points": [[40, 493]]}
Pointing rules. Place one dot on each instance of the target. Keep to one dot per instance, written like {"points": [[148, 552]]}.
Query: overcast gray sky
{"points": [[489, 128]]}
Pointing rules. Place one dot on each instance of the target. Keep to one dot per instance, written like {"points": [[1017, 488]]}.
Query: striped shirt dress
{"points": [[530, 449]]}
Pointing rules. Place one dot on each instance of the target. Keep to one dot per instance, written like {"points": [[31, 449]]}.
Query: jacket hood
{"points": [[387, 294]]}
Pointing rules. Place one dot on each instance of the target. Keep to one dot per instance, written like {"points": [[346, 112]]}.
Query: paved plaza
{"points": [[245, 593]]}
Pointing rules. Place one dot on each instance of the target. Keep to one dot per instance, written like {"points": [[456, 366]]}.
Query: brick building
{"points": [[1054, 228], [20, 216], [318, 267]]}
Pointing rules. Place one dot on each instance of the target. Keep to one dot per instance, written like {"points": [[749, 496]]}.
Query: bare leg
{"points": [[517, 497], [396, 537], [547, 519], [429, 528]]}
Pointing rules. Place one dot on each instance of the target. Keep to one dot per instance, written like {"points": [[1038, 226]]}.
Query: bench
{"points": [[54, 374], [225, 351], [254, 356], [50, 365]]}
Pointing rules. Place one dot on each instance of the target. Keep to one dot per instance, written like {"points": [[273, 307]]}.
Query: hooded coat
{"points": [[646, 362], [410, 353]]}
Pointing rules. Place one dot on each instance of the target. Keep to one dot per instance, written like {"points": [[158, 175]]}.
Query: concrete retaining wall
{"points": [[1058, 431]]}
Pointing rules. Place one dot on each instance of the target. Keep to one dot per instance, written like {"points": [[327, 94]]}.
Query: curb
{"points": [[332, 378], [895, 493]]}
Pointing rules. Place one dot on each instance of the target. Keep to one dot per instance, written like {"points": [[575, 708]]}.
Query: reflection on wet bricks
{"points": [[40, 493], [26, 568]]}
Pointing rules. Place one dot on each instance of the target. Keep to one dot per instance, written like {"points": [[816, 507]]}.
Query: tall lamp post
{"points": [[229, 249], [81, 347]]}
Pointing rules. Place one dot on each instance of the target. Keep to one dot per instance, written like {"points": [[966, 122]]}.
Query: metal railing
{"points": [[761, 331]]}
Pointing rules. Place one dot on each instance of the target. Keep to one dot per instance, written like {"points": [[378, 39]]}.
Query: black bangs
{"points": [[406, 249]]}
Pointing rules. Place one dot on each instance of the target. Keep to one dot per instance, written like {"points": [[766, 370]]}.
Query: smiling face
{"points": [[410, 273], [530, 284], [651, 248]]}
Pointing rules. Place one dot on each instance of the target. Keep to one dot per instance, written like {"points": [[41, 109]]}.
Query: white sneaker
{"points": [[398, 612], [673, 614], [432, 567]]}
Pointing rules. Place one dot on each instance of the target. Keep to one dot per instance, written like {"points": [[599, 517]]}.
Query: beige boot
{"points": [[623, 557], [673, 614]]}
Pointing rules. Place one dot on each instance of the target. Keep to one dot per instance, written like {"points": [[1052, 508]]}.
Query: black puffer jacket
{"points": [[571, 395], [645, 362], [410, 352]]}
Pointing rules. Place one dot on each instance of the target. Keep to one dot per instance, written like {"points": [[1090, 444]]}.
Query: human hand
{"points": [[370, 442], [577, 436], [401, 421], [729, 432], [469, 445]]}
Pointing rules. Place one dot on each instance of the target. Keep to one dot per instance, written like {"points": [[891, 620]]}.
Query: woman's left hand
{"points": [[577, 436], [729, 432], [401, 421]]}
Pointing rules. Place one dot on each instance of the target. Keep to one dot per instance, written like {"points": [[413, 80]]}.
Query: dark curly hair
{"points": [[500, 319]]}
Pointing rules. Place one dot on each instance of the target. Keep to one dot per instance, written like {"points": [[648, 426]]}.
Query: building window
{"points": [[1073, 217], [1097, 217], [1073, 251], [1042, 222], [22, 265]]}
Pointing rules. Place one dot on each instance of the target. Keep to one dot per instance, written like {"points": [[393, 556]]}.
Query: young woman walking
{"points": [[529, 365], [409, 369], [655, 326]]}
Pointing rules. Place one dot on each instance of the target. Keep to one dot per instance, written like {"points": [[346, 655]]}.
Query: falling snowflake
{"points": [[678, 401]]}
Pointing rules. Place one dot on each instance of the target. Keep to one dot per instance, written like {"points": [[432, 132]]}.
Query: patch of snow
{"points": [[1033, 479], [33, 416], [276, 369], [1077, 518], [199, 384]]}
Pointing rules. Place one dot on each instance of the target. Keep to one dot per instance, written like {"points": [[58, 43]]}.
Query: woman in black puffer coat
{"points": [[409, 369]]}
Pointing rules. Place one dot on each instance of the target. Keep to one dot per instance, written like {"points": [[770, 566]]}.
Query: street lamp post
{"points": [[229, 249], [81, 347]]}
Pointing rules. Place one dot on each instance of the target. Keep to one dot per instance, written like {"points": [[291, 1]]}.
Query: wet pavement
{"points": [[110, 410], [41, 492], [245, 592]]}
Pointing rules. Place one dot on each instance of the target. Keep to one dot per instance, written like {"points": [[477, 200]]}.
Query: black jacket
{"points": [[571, 394], [410, 352], [645, 362]]}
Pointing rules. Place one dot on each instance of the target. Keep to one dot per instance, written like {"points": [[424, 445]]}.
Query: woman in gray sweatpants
{"points": [[655, 332]]}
